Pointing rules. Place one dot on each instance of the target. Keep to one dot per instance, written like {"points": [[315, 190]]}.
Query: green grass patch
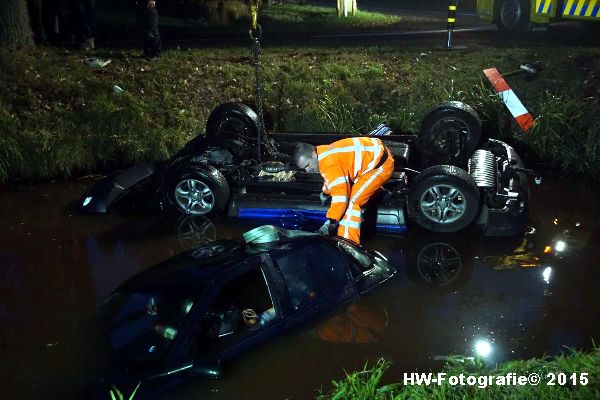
{"points": [[367, 384], [59, 118], [117, 21], [307, 18]]}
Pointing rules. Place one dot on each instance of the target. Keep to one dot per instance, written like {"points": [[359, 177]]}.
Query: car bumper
{"points": [[109, 190]]}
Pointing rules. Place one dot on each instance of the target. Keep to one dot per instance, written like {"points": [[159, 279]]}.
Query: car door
{"points": [[316, 276], [250, 288]]}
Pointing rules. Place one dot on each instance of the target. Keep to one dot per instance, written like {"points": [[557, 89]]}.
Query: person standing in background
{"points": [[85, 22], [147, 19], [36, 20]]}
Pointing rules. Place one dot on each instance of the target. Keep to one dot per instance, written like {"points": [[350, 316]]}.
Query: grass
{"points": [[181, 22], [307, 18], [58, 118], [366, 384]]}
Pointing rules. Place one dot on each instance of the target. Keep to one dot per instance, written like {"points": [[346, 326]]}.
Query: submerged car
{"points": [[197, 310], [445, 179]]}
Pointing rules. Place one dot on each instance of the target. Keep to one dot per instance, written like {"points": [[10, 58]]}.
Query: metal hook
{"points": [[255, 33]]}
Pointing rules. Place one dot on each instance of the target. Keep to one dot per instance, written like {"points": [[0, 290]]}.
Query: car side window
{"points": [[310, 270], [241, 309]]}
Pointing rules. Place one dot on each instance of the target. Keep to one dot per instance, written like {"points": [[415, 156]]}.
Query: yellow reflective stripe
{"points": [[590, 8], [347, 149], [579, 7], [376, 155], [346, 231], [349, 224], [354, 213], [451, 19], [357, 156], [367, 183], [537, 4], [453, 8], [338, 181], [547, 6], [568, 7]]}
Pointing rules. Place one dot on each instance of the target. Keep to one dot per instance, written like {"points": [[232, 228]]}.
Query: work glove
{"points": [[323, 197], [329, 228]]}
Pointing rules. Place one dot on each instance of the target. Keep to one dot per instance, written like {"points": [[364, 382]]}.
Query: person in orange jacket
{"points": [[353, 170]]}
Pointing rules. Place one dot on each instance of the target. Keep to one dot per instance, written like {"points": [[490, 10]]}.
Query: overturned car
{"points": [[445, 179]]}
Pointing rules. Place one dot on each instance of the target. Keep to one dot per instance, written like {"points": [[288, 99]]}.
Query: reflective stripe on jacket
{"points": [[342, 163]]}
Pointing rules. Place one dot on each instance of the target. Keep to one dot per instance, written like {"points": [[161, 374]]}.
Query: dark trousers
{"points": [[85, 18], [147, 20], [36, 18]]}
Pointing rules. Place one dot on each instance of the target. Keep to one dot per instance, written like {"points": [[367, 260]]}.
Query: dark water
{"points": [[56, 265]]}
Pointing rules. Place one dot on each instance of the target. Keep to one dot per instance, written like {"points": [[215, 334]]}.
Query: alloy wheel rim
{"points": [[194, 197], [439, 264], [194, 231], [443, 204]]}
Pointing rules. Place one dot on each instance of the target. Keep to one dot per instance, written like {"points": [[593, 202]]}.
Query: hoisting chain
{"points": [[255, 34]]}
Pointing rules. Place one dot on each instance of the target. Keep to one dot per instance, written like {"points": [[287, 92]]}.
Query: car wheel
{"points": [[232, 121], [440, 263], [199, 190], [209, 250], [449, 134], [194, 231], [443, 198], [513, 16]]}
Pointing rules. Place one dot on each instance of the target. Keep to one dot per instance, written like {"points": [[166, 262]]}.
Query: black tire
{"points": [[232, 121], [211, 190], [443, 198], [449, 134], [439, 263], [512, 16]]}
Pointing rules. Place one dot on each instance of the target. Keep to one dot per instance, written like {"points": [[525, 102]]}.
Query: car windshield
{"points": [[142, 326], [364, 259]]}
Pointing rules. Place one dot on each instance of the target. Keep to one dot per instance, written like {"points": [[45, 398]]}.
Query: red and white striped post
{"points": [[523, 118]]}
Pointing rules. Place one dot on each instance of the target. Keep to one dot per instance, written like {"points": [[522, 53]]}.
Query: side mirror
{"points": [[208, 367]]}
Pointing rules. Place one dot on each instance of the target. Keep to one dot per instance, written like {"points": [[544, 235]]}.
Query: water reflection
{"points": [[526, 296], [357, 323]]}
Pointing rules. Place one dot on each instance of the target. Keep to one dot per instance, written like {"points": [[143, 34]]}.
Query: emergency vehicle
{"points": [[519, 15]]}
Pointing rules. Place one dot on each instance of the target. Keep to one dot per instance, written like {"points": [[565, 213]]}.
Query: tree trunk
{"points": [[345, 7], [15, 31]]}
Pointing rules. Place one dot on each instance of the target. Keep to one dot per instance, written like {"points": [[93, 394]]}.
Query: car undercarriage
{"points": [[446, 177]]}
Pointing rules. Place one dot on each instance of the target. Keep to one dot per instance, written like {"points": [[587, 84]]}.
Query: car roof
{"points": [[194, 270]]}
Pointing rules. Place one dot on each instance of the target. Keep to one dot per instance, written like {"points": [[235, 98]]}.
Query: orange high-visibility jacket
{"points": [[342, 163]]}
